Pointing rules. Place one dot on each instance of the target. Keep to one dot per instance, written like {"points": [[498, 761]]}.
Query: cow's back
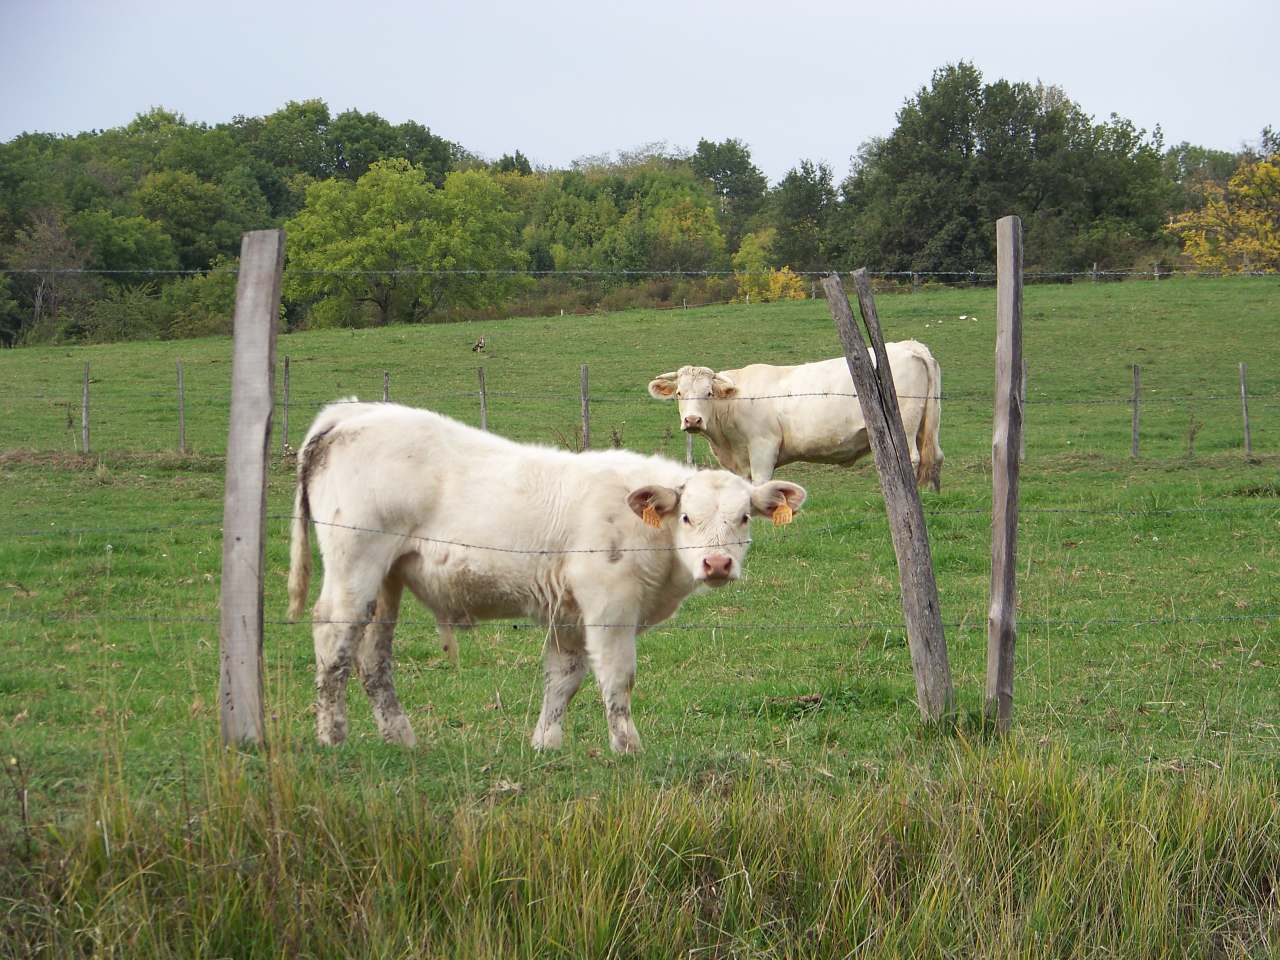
{"points": [[491, 525]]}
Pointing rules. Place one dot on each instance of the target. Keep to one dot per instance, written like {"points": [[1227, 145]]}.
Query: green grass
{"points": [[789, 692]]}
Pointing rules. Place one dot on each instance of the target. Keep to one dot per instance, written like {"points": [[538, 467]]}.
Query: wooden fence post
{"points": [[284, 427], [1244, 409], [484, 403], [1002, 612], [1137, 391], [182, 412], [245, 506], [84, 413], [878, 400], [688, 449], [586, 408], [386, 386]]}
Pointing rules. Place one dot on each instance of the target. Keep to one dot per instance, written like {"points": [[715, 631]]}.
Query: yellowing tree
{"points": [[757, 281], [1238, 228]]}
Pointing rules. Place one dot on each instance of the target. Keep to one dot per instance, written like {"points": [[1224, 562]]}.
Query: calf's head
{"points": [[693, 388], [710, 517]]}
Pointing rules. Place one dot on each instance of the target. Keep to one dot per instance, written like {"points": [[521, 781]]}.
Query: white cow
{"points": [[598, 546], [761, 417]]}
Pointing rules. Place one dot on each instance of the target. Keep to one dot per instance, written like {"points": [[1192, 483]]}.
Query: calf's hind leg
{"points": [[341, 614], [373, 661]]}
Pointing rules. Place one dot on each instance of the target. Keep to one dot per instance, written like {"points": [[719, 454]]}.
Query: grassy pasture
{"points": [[793, 684]]}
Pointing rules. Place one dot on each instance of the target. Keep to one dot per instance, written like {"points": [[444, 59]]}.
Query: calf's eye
{"points": [[684, 518], [746, 518]]}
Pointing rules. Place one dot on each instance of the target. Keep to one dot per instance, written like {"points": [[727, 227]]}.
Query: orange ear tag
{"points": [[650, 516], [782, 516]]}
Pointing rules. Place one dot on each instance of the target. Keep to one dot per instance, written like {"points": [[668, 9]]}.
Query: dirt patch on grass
{"points": [[196, 463]]}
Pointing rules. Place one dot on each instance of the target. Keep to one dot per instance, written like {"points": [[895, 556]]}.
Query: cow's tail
{"points": [[930, 466], [300, 539], [300, 546]]}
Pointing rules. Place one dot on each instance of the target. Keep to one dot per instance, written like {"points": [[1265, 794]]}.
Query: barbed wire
{"points": [[838, 526], [966, 623], [640, 399], [972, 275]]}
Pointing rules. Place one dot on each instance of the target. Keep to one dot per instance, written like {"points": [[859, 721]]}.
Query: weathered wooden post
{"points": [[386, 386], [688, 449], [1002, 612], [284, 427], [484, 403], [586, 408], [1137, 394], [878, 400], [245, 505], [1244, 409], [182, 413], [84, 413]]}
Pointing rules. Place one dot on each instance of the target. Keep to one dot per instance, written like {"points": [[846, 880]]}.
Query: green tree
{"points": [[123, 243], [739, 185], [803, 206], [371, 244]]}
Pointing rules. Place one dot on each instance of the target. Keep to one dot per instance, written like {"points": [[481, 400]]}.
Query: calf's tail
{"points": [[300, 545], [930, 466]]}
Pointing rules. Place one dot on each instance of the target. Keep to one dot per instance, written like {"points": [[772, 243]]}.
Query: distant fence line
{"points": [[585, 398], [1155, 273]]}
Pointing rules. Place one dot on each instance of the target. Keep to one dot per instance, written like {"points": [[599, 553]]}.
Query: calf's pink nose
{"points": [[692, 423], [717, 566]]}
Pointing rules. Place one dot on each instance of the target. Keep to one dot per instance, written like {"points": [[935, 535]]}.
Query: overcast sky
{"points": [[558, 80]]}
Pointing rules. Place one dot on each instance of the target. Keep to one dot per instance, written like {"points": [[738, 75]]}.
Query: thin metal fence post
{"points": [[484, 403], [1137, 413], [586, 408], [386, 386], [182, 412], [1244, 409], [84, 413], [284, 427]]}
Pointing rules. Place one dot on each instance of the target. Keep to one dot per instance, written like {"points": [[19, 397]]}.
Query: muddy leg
{"points": [[563, 670], [612, 651], [373, 660]]}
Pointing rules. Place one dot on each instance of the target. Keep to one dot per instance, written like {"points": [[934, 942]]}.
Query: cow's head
{"points": [[693, 388], [710, 517]]}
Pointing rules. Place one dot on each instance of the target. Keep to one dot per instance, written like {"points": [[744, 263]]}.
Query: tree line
{"points": [[132, 232]]}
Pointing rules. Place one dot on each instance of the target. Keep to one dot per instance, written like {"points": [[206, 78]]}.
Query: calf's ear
{"points": [[663, 386], [654, 503], [722, 386], [777, 500]]}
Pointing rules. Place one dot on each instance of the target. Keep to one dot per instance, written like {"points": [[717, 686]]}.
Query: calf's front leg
{"points": [[564, 666], [612, 651]]}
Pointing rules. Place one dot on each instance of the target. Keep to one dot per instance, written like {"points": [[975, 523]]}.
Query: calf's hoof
{"points": [[400, 732], [625, 743], [330, 733], [548, 739]]}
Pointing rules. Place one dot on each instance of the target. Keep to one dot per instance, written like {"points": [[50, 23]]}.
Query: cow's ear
{"points": [[663, 386], [722, 387], [654, 503], [777, 500]]}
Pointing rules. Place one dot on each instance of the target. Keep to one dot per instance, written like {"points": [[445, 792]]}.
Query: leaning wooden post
{"points": [[484, 403], [586, 408], [386, 386], [182, 412], [1137, 393], [879, 403], [284, 427], [84, 413], [1006, 433], [245, 507], [1244, 409]]}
